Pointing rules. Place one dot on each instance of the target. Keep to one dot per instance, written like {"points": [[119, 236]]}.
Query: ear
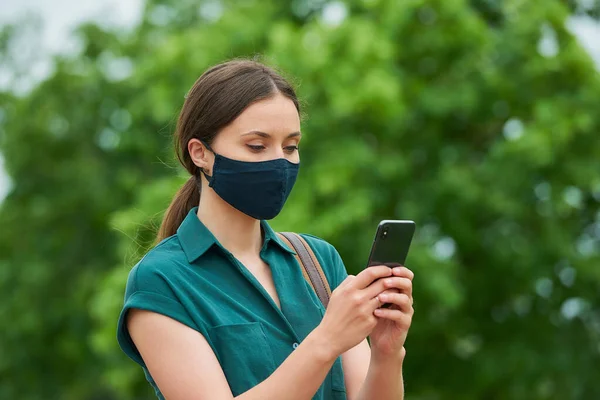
{"points": [[200, 155]]}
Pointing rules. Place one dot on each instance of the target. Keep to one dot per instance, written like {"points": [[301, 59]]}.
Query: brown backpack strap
{"points": [[311, 268], [304, 272]]}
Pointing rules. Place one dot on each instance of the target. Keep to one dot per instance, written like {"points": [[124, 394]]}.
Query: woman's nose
{"points": [[279, 152]]}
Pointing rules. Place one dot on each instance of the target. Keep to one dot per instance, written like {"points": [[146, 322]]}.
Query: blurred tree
{"points": [[476, 119], [585, 7]]}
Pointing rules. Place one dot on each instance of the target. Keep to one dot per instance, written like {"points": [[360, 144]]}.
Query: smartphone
{"points": [[391, 243]]}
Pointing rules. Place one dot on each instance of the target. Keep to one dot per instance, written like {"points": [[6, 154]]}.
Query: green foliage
{"points": [[477, 119]]}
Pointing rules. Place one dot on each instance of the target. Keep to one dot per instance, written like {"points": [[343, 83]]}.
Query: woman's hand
{"points": [[350, 317], [389, 335]]}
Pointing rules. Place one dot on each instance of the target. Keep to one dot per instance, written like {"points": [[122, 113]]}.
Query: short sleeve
{"points": [[149, 289], [330, 260], [339, 269]]}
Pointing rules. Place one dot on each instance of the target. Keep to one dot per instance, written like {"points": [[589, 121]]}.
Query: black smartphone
{"points": [[391, 243]]}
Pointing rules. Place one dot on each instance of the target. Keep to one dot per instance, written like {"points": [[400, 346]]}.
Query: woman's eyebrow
{"points": [[266, 135]]}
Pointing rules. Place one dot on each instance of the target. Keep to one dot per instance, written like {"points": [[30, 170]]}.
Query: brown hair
{"points": [[216, 99]]}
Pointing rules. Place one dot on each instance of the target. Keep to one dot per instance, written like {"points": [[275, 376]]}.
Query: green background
{"points": [[479, 120]]}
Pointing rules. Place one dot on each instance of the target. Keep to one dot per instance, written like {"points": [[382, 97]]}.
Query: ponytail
{"points": [[186, 198]]}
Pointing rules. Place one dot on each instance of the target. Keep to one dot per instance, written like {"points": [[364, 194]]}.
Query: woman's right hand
{"points": [[349, 317]]}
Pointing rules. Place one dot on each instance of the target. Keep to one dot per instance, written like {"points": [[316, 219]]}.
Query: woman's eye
{"points": [[256, 147], [291, 149]]}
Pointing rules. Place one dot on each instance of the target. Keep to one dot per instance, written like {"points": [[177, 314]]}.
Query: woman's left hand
{"points": [[389, 335]]}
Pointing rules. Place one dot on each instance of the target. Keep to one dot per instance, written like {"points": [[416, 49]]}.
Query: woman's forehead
{"points": [[274, 116]]}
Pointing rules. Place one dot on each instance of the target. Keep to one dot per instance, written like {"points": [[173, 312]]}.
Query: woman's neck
{"points": [[236, 231]]}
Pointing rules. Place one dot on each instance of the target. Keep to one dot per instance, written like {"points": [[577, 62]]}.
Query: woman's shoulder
{"points": [[317, 243], [160, 260], [328, 257]]}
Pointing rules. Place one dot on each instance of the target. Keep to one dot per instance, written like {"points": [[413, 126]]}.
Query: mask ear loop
{"points": [[202, 169], [207, 146]]}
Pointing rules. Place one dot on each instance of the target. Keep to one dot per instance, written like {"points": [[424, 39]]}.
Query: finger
{"points": [[368, 275], [346, 281], [403, 272], [402, 284], [374, 303], [401, 318], [391, 291], [400, 300]]}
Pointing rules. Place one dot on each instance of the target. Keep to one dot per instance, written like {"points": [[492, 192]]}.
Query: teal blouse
{"points": [[191, 278]]}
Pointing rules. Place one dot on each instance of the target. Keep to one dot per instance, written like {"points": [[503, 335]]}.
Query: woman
{"points": [[219, 308]]}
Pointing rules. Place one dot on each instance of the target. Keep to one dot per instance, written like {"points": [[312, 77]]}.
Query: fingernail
{"points": [[383, 297], [397, 270]]}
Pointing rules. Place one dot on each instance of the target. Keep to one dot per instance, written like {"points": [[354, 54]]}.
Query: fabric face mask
{"points": [[258, 189]]}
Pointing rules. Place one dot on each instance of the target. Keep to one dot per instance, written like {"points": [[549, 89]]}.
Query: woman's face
{"points": [[266, 130]]}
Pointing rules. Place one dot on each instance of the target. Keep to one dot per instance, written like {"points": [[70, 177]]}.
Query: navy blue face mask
{"points": [[258, 189]]}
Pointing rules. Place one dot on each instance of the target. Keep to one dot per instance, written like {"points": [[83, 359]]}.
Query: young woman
{"points": [[219, 309]]}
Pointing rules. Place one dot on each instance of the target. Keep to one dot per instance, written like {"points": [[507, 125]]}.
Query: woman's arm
{"points": [[367, 377], [184, 366], [356, 366], [377, 374], [383, 380]]}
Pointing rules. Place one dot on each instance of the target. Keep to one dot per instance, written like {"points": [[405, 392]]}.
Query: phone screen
{"points": [[391, 243]]}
